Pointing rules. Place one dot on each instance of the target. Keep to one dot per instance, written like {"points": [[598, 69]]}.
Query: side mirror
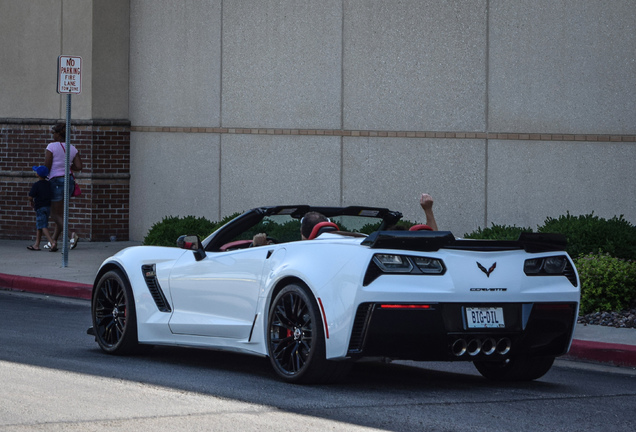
{"points": [[192, 243]]}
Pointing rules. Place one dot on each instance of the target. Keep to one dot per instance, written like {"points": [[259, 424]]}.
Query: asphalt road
{"points": [[53, 377]]}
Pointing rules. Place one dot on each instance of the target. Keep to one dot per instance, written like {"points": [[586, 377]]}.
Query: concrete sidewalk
{"points": [[42, 272]]}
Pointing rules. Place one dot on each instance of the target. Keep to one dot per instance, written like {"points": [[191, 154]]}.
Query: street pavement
{"points": [[43, 272]]}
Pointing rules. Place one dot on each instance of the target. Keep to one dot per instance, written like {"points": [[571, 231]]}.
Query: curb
{"points": [[46, 286], [602, 352]]}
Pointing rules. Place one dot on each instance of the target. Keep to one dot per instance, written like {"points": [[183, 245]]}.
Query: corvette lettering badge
{"points": [[490, 270], [490, 289]]}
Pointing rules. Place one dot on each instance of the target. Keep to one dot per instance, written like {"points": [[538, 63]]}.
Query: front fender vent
{"points": [[150, 276]]}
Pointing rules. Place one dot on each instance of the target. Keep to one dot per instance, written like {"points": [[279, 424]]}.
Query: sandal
{"points": [[74, 240], [47, 246], [33, 249], [53, 248]]}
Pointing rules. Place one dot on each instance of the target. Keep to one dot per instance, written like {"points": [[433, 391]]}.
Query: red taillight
{"points": [[405, 306], [553, 306]]}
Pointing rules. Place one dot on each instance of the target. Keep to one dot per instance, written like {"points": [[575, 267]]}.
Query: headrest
{"points": [[322, 227], [420, 227]]}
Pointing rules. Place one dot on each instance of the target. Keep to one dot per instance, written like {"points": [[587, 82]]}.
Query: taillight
{"points": [[558, 265]]}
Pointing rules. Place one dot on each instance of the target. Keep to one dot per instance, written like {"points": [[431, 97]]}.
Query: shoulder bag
{"points": [[76, 191]]}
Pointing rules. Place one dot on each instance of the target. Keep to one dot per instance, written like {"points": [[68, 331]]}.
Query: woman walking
{"points": [[55, 161]]}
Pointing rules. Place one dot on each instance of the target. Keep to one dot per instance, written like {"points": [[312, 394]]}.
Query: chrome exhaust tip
{"points": [[474, 347], [459, 347], [503, 346], [488, 346]]}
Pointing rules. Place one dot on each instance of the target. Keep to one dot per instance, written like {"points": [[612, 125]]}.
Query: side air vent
{"points": [[150, 276], [360, 325]]}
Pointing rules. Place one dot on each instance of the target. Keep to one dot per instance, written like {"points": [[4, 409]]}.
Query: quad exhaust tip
{"points": [[487, 346]]}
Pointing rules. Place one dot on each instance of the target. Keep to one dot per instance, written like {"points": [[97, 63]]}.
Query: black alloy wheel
{"points": [[296, 341], [113, 311]]}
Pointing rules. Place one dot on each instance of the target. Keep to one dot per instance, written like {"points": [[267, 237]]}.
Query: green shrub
{"points": [[167, 231], [588, 234], [607, 283], [498, 232]]}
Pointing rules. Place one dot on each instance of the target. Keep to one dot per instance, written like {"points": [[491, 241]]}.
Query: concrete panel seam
{"points": [[505, 136]]}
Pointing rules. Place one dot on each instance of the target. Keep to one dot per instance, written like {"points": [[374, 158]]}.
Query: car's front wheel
{"points": [[296, 341], [114, 316], [516, 368]]}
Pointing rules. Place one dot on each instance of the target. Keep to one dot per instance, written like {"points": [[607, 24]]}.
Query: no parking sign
{"points": [[69, 74]]}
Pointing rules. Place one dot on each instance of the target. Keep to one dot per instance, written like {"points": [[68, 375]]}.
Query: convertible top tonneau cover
{"points": [[430, 241]]}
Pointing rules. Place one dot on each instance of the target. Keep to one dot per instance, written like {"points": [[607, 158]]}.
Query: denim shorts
{"points": [[57, 185], [42, 217]]}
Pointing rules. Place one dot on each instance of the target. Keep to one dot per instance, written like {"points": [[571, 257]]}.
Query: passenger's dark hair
{"points": [[309, 221]]}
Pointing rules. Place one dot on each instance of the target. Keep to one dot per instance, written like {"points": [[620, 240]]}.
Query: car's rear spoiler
{"points": [[430, 241]]}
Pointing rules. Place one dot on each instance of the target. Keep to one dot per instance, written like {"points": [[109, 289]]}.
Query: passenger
{"points": [[426, 202], [260, 239]]}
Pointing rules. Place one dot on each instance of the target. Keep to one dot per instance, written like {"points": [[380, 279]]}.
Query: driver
{"points": [[309, 221], [260, 239], [307, 224]]}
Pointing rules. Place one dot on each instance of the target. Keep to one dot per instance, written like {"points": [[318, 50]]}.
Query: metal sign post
{"points": [[69, 81]]}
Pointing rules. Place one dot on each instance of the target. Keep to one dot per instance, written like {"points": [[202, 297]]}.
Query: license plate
{"points": [[485, 317]]}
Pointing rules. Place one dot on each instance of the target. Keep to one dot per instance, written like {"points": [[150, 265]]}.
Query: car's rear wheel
{"points": [[114, 316], [296, 341], [515, 368]]}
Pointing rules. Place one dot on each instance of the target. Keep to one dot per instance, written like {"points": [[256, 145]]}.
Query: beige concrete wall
{"points": [[31, 41], [507, 112], [562, 66], [531, 180], [393, 172], [282, 64], [357, 102], [175, 63], [414, 65], [110, 66], [261, 170], [173, 175], [35, 33]]}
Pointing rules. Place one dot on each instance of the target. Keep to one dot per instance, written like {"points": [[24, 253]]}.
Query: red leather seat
{"points": [[235, 244], [322, 227], [420, 227]]}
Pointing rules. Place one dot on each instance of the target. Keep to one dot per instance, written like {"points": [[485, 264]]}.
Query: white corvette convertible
{"points": [[314, 307]]}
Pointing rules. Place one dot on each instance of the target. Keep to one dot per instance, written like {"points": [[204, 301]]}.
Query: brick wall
{"points": [[101, 211]]}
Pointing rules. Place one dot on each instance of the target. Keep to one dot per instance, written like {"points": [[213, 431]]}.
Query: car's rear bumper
{"points": [[440, 332]]}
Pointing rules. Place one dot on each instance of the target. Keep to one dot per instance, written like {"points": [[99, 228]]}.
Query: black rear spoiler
{"points": [[431, 241]]}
